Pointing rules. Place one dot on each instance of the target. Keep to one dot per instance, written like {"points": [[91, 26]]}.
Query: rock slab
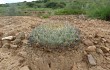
{"points": [[91, 60]]}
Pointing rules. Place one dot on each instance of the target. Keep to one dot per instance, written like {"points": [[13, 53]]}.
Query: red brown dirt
{"points": [[93, 32]]}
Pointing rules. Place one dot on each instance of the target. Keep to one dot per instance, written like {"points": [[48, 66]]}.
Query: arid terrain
{"points": [[92, 53]]}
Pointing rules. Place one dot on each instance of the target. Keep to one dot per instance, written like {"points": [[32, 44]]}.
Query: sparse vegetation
{"points": [[12, 11], [93, 8]]}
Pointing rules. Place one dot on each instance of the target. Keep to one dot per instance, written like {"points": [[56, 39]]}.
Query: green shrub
{"points": [[102, 12], [54, 34], [30, 4], [55, 5]]}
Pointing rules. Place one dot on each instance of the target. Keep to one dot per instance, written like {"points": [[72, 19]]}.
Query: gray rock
{"points": [[91, 60]]}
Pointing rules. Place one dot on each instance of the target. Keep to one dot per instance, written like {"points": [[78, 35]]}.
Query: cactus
{"points": [[55, 34]]}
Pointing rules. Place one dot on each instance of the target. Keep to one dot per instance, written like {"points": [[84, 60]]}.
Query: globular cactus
{"points": [[55, 34]]}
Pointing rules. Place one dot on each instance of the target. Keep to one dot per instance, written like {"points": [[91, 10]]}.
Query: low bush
{"points": [[55, 34]]}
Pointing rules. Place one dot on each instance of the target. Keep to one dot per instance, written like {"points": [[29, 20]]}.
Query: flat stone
{"points": [[105, 49], [10, 38], [25, 68], [88, 42], [91, 60], [13, 46], [91, 49]]}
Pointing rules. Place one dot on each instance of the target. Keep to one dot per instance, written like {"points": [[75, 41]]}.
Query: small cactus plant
{"points": [[54, 34]]}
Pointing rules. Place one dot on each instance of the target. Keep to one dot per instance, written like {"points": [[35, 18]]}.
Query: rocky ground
{"points": [[92, 53]]}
